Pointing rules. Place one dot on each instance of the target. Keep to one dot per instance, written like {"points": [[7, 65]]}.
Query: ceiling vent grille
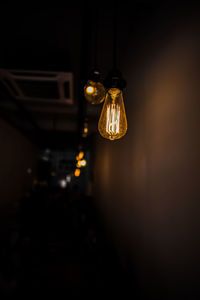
{"points": [[39, 86]]}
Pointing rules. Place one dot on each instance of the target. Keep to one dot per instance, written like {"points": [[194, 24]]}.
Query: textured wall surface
{"points": [[148, 184]]}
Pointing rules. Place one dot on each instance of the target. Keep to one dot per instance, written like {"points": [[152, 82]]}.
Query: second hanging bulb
{"points": [[94, 90]]}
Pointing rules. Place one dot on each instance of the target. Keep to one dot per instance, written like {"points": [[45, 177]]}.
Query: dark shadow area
{"points": [[56, 241]]}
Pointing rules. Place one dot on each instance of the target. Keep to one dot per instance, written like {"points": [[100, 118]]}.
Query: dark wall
{"points": [[147, 184], [17, 155]]}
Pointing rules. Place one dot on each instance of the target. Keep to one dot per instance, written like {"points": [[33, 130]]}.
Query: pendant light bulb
{"points": [[77, 172], [80, 155], [113, 122], [94, 90], [81, 163]]}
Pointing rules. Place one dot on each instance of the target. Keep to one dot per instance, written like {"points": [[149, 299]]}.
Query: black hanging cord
{"points": [[84, 61], [96, 20], [115, 21], [114, 78]]}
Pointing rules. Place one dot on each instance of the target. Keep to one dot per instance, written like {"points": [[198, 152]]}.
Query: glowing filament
{"points": [[90, 90], [112, 120]]}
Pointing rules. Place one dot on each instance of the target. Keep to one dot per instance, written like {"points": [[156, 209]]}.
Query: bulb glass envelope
{"points": [[113, 122], [94, 92]]}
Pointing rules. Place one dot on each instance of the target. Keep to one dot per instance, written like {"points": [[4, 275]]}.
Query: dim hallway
{"points": [[100, 150], [65, 249], [53, 237]]}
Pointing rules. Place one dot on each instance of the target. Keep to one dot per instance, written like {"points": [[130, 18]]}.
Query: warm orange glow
{"points": [[78, 165], [85, 130], [81, 163], [94, 92], [77, 172], [113, 123], [90, 90], [81, 154]]}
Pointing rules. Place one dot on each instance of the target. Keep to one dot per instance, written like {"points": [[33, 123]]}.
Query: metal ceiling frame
{"points": [[10, 80]]}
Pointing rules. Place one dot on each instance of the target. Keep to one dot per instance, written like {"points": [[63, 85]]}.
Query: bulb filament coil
{"points": [[113, 119]]}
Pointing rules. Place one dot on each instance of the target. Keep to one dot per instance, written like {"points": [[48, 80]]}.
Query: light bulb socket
{"points": [[115, 80], [95, 76]]}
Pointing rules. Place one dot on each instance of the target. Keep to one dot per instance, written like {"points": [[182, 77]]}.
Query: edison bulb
{"points": [[94, 92], [77, 172], [78, 164], [113, 123], [90, 90], [81, 154], [81, 163]]}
